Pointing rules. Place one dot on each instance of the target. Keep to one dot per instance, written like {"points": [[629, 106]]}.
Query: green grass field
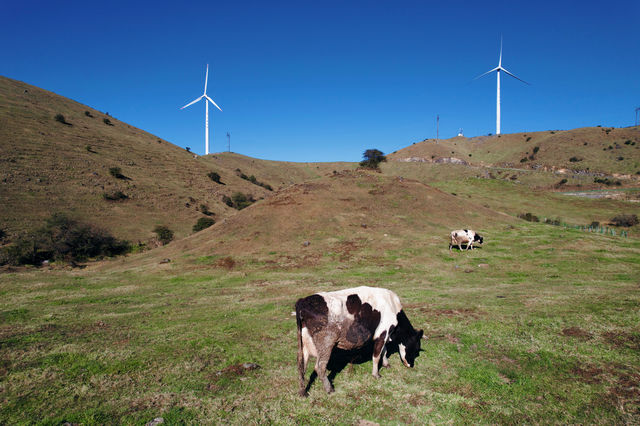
{"points": [[538, 326]]}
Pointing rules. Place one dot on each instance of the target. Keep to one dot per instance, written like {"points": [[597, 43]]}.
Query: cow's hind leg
{"points": [[324, 346]]}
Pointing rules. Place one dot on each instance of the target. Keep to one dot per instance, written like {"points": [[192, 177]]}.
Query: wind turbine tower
{"points": [[498, 70], [207, 99]]}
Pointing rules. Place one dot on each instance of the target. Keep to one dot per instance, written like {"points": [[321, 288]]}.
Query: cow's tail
{"points": [[301, 366]]}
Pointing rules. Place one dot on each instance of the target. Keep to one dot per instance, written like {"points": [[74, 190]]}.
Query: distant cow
{"points": [[350, 319], [464, 236]]}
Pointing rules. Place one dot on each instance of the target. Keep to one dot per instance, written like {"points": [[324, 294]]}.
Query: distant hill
{"points": [[56, 155], [348, 215], [596, 149]]}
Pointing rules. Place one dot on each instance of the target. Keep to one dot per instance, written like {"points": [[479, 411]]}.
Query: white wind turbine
{"points": [[498, 69], [207, 99]]}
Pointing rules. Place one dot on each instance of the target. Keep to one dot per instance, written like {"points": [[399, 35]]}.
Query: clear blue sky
{"points": [[323, 81]]}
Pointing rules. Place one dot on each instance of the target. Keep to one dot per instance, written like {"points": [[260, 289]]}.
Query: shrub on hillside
{"points": [[625, 220], [115, 196], [2, 234], [240, 200], [575, 159], [254, 180], [164, 234], [561, 182], [63, 238], [88, 114], [214, 177], [203, 223], [60, 119], [607, 181], [116, 172], [227, 200], [107, 122], [536, 149], [529, 217], [204, 209]]}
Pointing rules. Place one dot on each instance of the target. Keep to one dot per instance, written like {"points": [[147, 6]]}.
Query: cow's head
{"points": [[409, 347], [477, 238]]}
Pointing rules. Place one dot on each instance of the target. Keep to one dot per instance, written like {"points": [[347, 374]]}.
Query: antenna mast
{"points": [[437, 127], [228, 142]]}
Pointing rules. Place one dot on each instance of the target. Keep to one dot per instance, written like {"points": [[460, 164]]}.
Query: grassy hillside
{"points": [[594, 149], [52, 166]]}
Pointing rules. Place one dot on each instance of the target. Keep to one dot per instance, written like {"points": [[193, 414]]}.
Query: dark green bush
{"points": [[524, 160], [204, 209], [88, 114], [60, 119], [203, 223], [65, 239], [240, 200], [529, 138], [594, 224], [575, 159], [536, 149], [607, 181], [372, 159], [253, 180], [561, 182], [165, 235], [625, 220], [214, 177], [107, 122], [227, 200]]}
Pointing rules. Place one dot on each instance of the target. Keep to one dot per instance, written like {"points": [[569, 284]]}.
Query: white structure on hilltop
{"points": [[207, 99], [499, 69], [460, 132]]}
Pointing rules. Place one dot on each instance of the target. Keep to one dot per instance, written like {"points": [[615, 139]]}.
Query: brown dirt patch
{"points": [[577, 332], [588, 373], [623, 339], [226, 263]]}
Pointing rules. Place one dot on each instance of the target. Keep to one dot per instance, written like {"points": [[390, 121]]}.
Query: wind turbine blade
{"points": [[206, 77], [488, 72], [518, 78], [211, 100], [192, 102], [500, 60]]}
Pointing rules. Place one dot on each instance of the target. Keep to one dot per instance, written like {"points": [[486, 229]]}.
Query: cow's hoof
{"points": [[303, 393], [377, 375], [330, 390]]}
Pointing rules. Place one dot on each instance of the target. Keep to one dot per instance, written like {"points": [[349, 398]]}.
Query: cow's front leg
{"points": [[385, 358], [378, 349]]}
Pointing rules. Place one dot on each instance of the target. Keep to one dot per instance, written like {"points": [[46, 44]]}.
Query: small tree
{"points": [[372, 158], [165, 235], [88, 114], [107, 122], [116, 172]]}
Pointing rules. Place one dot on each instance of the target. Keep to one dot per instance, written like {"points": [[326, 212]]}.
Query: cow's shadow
{"points": [[341, 358], [464, 247]]}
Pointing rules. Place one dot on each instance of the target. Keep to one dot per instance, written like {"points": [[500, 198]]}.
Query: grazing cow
{"points": [[464, 236], [349, 319]]}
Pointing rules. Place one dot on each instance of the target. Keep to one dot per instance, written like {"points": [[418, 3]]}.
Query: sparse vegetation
{"points": [[536, 149], [625, 220], [529, 217], [561, 182], [60, 119], [164, 234], [607, 181], [372, 158], [203, 223], [575, 159], [62, 238], [241, 200], [253, 180], [528, 138], [116, 172], [115, 196], [214, 176], [88, 114], [107, 122], [204, 209]]}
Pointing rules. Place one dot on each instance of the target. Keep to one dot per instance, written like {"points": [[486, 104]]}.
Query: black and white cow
{"points": [[464, 236], [349, 319]]}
